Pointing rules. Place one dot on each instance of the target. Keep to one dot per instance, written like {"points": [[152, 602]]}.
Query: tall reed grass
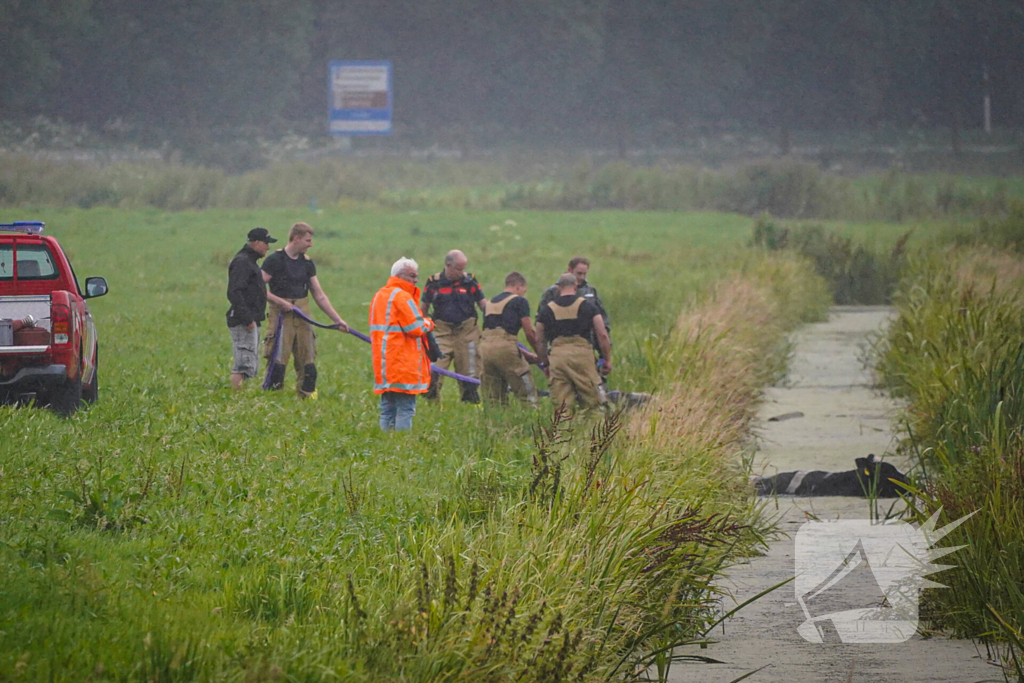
{"points": [[729, 346], [956, 354], [784, 189]]}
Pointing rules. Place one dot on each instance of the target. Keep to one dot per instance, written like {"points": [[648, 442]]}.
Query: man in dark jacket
{"points": [[247, 293], [454, 296]]}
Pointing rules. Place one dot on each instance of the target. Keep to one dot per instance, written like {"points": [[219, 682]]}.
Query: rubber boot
{"points": [[277, 376], [432, 390], [469, 392], [308, 387]]}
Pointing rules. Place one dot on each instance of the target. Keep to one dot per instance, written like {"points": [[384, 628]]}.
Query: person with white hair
{"points": [[398, 332]]}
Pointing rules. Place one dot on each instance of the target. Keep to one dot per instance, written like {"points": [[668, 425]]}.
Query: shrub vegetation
{"points": [[783, 189], [856, 274]]}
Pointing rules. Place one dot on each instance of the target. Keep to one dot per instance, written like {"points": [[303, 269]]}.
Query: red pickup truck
{"points": [[48, 345]]}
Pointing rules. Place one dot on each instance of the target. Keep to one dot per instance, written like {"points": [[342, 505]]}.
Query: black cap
{"points": [[260, 235]]}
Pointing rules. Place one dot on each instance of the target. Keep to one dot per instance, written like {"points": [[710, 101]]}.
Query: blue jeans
{"points": [[396, 411]]}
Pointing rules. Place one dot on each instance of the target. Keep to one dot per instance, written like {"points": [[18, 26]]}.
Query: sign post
{"points": [[359, 98]]}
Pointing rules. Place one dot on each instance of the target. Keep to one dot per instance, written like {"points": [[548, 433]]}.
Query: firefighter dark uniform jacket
{"points": [[246, 290], [568, 325], [586, 291], [568, 316], [507, 312], [453, 302], [397, 335], [589, 294]]}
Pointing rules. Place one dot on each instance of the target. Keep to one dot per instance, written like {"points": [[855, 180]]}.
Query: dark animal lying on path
{"points": [[871, 475], [630, 399]]}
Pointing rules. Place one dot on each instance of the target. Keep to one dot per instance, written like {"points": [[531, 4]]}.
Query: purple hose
{"points": [[453, 375], [277, 351], [360, 335], [523, 348]]}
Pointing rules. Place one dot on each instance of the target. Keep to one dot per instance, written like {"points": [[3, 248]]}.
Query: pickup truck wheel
{"points": [[67, 399], [91, 392]]}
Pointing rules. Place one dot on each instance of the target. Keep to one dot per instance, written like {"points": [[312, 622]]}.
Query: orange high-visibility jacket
{"points": [[397, 331]]}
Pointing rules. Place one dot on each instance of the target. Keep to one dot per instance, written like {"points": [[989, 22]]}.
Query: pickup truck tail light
{"points": [[60, 324]]}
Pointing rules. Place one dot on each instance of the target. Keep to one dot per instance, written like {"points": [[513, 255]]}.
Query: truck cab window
{"points": [[6, 262], [35, 262]]}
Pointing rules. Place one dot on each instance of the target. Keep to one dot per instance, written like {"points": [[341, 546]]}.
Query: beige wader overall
{"points": [[297, 340], [573, 375], [460, 343], [503, 363]]}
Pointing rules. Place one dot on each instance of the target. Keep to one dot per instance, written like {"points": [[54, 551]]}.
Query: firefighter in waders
{"points": [[291, 277], [504, 363], [580, 266], [566, 323], [455, 295]]}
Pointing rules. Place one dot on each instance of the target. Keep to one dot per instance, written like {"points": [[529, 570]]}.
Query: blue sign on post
{"points": [[359, 98]]}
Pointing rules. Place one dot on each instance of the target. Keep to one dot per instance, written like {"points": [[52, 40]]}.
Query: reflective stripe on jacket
{"points": [[397, 331]]}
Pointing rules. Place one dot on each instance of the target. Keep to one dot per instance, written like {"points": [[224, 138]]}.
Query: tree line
{"points": [[519, 65]]}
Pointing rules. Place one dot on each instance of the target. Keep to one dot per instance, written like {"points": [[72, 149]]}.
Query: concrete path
{"points": [[843, 418]]}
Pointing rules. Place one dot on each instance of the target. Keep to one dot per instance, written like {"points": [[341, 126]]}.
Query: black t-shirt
{"points": [[289, 276], [512, 317], [453, 302], [579, 326], [587, 292]]}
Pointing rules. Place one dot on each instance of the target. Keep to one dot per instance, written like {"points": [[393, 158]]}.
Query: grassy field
{"points": [[168, 271], [179, 531]]}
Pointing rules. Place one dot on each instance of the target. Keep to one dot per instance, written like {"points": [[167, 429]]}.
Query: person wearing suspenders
{"points": [[504, 364], [566, 323], [454, 296], [291, 278]]}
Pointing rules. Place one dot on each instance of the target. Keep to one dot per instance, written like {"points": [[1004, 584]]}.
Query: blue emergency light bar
{"points": [[26, 227]]}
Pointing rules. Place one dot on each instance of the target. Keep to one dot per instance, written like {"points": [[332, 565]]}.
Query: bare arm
{"points": [[531, 334], [541, 349], [285, 306], [604, 343], [325, 304]]}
